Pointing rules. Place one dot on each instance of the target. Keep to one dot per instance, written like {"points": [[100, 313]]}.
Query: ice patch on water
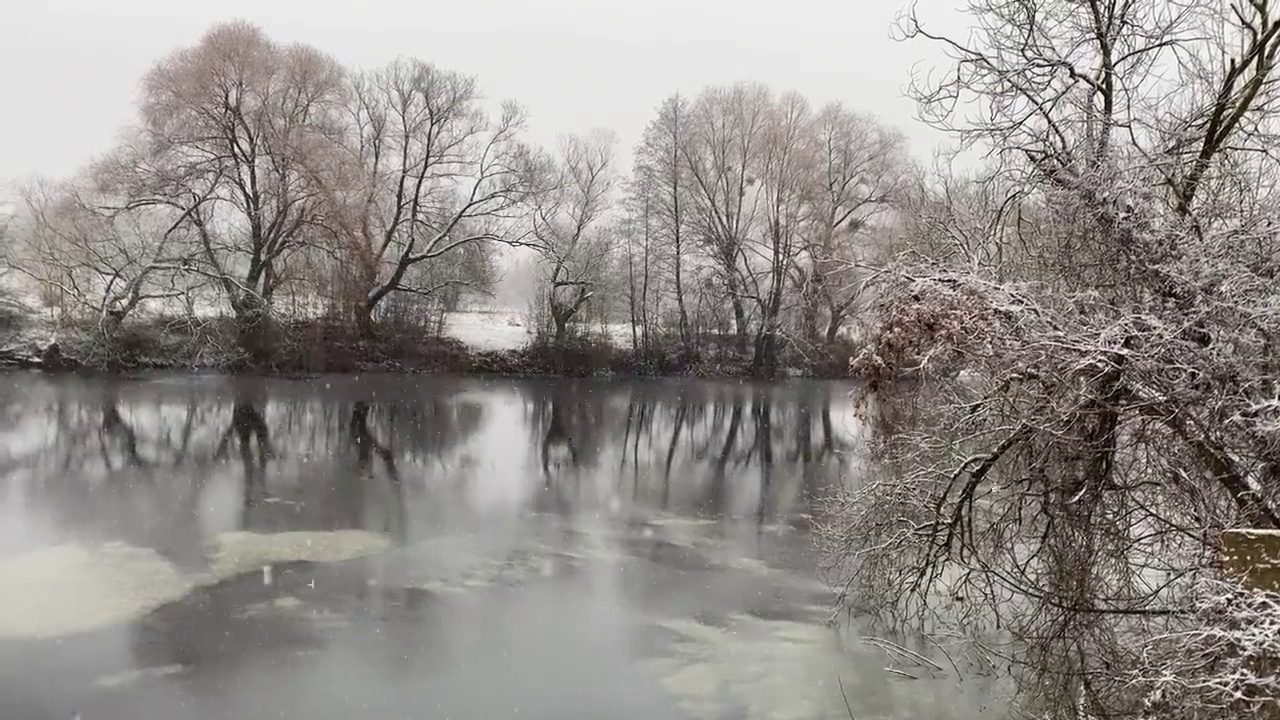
{"points": [[284, 603], [66, 589], [458, 564], [679, 521], [477, 573], [580, 555], [749, 564], [748, 667], [235, 553], [287, 602], [131, 676], [753, 668]]}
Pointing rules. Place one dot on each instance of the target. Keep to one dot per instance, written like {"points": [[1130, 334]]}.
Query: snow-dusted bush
{"points": [[1224, 663]]}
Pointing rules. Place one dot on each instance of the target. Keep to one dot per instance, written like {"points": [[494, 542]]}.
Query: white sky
{"points": [[71, 68]]}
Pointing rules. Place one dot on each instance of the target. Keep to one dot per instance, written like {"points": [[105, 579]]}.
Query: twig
{"points": [[909, 654], [845, 698], [947, 654]]}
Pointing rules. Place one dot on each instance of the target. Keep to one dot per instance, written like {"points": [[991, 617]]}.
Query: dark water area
{"points": [[427, 547]]}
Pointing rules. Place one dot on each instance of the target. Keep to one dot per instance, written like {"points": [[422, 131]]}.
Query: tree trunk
{"points": [[833, 328], [631, 297], [253, 328], [111, 322], [739, 321], [764, 363], [735, 299], [809, 321], [683, 313], [561, 322], [364, 320], [644, 300]]}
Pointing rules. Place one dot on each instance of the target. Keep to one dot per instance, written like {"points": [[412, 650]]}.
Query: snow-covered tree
{"points": [[1093, 383]]}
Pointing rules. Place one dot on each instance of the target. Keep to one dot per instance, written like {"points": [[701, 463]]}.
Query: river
{"points": [[391, 546]]}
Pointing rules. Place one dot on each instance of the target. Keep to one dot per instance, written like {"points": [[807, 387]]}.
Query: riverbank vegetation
{"points": [[1091, 324], [271, 205]]}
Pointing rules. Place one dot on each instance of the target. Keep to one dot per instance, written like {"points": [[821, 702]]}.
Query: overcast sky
{"points": [[72, 67]]}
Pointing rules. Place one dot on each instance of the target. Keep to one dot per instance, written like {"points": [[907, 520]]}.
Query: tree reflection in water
{"points": [[144, 460], [708, 449]]}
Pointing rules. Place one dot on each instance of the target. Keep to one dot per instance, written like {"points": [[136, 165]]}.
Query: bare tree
{"points": [[862, 172], [570, 226], [640, 228], [12, 311], [244, 114], [971, 218], [785, 170], [101, 259], [662, 180], [434, 181], [1067, 491], [725, 131], [772, 200]]}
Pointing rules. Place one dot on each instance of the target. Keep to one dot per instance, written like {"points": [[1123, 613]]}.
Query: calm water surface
{"points": [[415, 547]]}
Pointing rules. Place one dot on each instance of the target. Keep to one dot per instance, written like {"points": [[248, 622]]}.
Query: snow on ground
{"points": [[480, 327], [497, 329], [507, 329]]}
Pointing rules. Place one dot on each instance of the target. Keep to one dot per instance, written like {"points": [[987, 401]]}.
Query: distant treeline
{"points": [[266, 185]]}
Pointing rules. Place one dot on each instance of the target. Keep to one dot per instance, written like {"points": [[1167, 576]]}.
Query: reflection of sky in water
{"points": [[573, 549], [497, 459]]}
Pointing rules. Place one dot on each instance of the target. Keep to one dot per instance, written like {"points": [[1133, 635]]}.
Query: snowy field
{"points": [[480, 328], [507, 329], [496, 329]]}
